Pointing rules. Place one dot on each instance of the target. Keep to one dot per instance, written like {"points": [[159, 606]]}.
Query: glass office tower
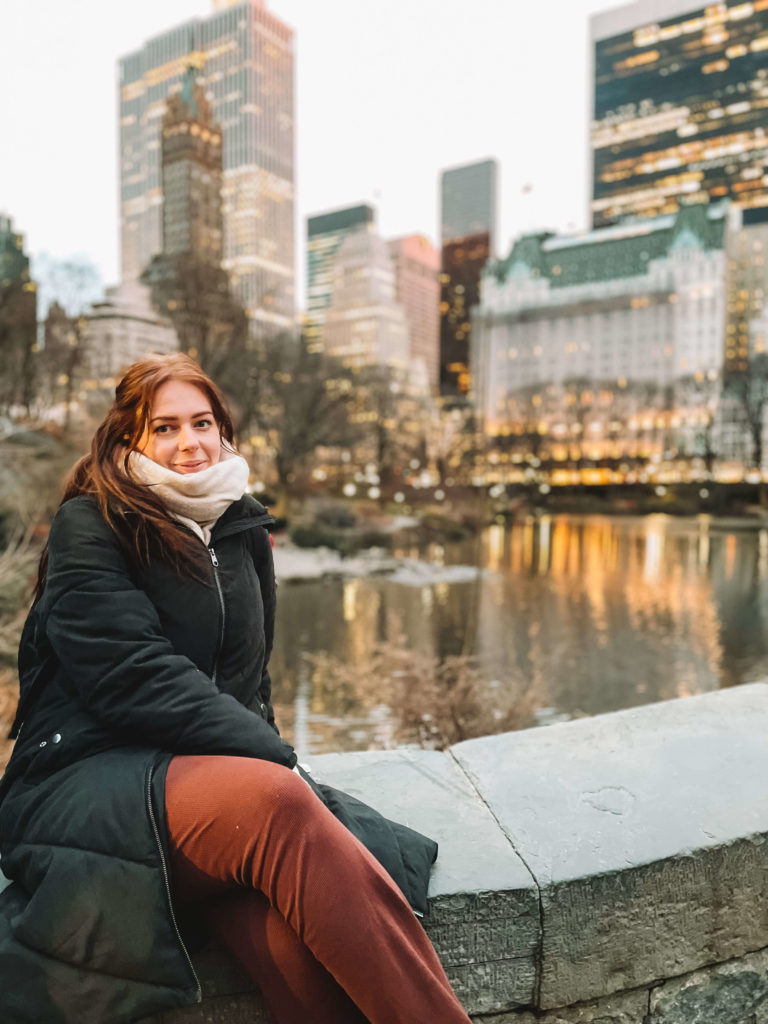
{"points": [[680, 108], [326, 232], [468, 226], [244, 60]]}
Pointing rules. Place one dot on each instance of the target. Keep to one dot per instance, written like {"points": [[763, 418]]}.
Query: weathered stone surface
{"points": [[646, 831], [620, 1008], [730, 993], [484, 907], [229, 996], [243, 1009], [220, 974]]}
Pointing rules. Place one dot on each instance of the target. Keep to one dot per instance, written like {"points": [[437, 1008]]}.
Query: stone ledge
{"points": [[646, 831], [607, 871]]}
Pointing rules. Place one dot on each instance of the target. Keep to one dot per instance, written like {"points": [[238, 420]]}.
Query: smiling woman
{"points": [[182, 434], [149, 776]]}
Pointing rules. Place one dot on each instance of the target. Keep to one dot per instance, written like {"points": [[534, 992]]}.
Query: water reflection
{"points": [[577, 615]]}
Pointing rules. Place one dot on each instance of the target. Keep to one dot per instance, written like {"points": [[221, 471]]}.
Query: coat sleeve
{"points": [[261, 551], [107, 635]]}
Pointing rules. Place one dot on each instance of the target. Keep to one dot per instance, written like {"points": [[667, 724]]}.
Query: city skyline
{"points": [[362, 137]]}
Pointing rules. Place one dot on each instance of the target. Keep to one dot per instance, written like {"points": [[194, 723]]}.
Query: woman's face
{"points": [[182, 434]]}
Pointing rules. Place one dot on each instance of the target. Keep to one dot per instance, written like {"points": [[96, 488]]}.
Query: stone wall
{"points": [[612, 870]]}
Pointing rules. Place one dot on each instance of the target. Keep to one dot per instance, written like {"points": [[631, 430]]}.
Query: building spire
{"points": [[188, 97]]}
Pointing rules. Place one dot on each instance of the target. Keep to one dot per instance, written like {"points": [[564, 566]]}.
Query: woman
{"points": [[148, 775]]}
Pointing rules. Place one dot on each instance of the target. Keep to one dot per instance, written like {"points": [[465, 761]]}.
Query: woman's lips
{"points": [[190, 467]]}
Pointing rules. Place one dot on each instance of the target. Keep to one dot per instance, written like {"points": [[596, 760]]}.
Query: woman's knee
{"points": [[289, 793]]}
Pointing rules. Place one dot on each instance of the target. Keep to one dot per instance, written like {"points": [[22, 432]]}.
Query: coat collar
{"points": [[243, 514]]}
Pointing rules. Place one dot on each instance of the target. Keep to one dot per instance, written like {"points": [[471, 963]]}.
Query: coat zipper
{"points": [[151, 811], [215, 564]]}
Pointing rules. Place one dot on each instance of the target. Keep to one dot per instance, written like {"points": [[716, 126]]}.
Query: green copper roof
{"points": [[613, 252], [188, 92]]}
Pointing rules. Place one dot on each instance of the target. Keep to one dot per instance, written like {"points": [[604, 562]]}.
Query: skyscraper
{"points": [[416, 264], [468, 220], [680, 107], [364, 323], [191, 165], [325, 234], [244, 58]]}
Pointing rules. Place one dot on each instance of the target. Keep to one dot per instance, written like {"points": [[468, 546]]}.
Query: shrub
{"points": [[433, 703], [336, 517], [313, 537]]}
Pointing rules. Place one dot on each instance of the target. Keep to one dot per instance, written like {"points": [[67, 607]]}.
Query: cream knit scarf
{"points": [[195, 499]]}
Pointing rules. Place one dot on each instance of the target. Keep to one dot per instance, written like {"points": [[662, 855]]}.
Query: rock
{"points": [[730, 993]]}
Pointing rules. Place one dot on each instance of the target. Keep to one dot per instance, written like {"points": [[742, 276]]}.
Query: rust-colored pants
{"points": [[316, 921]]}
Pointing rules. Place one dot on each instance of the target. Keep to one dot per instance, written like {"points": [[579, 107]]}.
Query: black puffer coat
{"points": [[119, 670]]}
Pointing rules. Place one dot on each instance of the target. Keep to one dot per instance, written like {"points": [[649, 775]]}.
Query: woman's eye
{"points": [[204, 423], [161, 428]]}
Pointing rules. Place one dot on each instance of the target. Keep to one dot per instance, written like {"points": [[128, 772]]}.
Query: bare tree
{"points": [[69, 286], [750, 388], [299, 399], [395, 421], [211, 325]]}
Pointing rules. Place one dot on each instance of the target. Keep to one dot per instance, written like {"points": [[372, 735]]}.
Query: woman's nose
{"points": [[186, 438]]}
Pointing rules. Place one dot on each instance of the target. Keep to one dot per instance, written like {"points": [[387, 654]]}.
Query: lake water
{"points": [[566, 616]]}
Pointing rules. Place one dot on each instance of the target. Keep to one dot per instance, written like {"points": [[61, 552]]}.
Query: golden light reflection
{"points": [[595, 579], [730, 555], [351, 588], [560, 548], [495, 547], [762, 547], [654, 547], [528, 538]]}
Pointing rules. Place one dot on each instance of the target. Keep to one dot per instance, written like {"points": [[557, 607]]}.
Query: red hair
{"points": [[138, 517]]}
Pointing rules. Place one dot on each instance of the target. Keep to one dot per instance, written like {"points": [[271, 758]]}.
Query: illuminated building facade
{"points": [[191, 176], [608, 346], [244, 60], [325, 234], [680, 107], [416, 265], [468, 225]]}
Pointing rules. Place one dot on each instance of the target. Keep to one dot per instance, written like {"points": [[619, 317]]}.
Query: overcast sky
{"points": [[387, 95]]}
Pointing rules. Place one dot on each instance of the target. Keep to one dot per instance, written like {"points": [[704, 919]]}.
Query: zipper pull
{"points": [[214, 559]]}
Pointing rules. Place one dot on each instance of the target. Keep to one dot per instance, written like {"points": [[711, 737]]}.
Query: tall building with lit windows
{"points": [[468, 227], [416, 264], [680, 110], [326, 233], [191, 165], [244, 59]]}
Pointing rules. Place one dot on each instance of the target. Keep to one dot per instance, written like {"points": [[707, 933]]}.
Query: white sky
{"points": [[388, 94]]}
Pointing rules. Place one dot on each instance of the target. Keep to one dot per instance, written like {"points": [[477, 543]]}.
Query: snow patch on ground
{"points": [[294, 564]]}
